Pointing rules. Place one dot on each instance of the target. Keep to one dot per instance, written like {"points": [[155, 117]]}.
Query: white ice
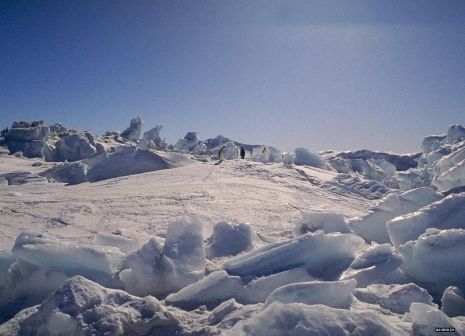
{"points": [[447, 213], [372, 225]]}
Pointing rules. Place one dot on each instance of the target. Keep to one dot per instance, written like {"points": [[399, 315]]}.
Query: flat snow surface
{"points": [[268, 196]]}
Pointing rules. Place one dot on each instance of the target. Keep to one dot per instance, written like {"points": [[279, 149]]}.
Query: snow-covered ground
{"points": [[179, 243]]}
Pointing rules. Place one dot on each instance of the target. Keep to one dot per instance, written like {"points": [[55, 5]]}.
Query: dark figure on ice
{"points": [[221, 154], [242, 153]]}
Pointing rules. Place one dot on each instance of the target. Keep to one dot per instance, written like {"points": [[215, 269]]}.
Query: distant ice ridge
{"points": [[122, 162]]}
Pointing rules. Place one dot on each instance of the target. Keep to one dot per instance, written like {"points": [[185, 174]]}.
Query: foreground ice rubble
{"points": [[372, 225], [436, 259], [159, 270], [83, 307], [448, 213]]}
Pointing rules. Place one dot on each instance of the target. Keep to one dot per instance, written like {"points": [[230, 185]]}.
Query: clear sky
{"points": [[319, 74]]}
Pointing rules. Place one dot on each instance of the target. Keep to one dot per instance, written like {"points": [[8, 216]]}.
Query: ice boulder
{"points": [[158, 270], [72, 173], [28, 138], [373, 265], [231, 151], [372, 225], [455, 133], [82, 307], [215, 288], [324, 256], [70, 258], [339, 164], [453, 302], [189, 142], [326, 221], [74, 147], [134, 130], [452, 178], [23, 285], [260, 154], [396, 298], [447, 213], [288, 159], [303, 157], [432, 143], [154, 136], [449, 161], [223, 310], [260, 288], [436, 259], [426, 318], [336, 294], [229, 239], [297, 319]]}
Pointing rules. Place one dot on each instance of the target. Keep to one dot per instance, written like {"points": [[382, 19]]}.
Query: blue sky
{"points": [[319, 74]]}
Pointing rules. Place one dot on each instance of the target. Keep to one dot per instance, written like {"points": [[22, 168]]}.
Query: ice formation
{"points": [[426, 318], [453, 302], [82, 307], [325, 280], [229, 239], [324, 256], [374, 265], [297, 319], [326, 221], [396, 298], [303, 157], [159, 270], [372, 225], [436, 259], [336, 294], [134, 130], [447, 213]]}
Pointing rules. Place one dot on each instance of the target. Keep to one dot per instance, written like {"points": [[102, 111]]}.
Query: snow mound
{"points": [[324, 256], [396, 298], [372, 225], [229, 239], [326, 221], [82, 307], [373, 265], [122, 162], [303, 157], [298, 319], [336, 294], [453, 302], [128, 161], [447, 213], [435, 259], [158, 270]]}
